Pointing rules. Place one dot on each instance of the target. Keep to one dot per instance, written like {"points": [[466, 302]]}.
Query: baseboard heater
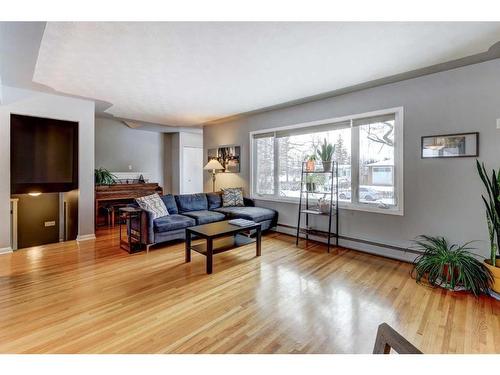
{"points": [[366, 242]]}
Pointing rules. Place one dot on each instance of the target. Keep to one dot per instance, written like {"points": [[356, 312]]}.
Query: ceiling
{"points": [[189, 73]]}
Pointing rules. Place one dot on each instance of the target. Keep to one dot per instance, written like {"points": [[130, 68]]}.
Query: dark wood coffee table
{"points": [[220, 236]]}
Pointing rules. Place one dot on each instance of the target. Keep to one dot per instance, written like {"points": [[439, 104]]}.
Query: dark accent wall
{"points": [[33, 212]]}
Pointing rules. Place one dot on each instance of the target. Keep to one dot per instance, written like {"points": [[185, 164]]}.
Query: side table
{"points": [[131, 240]]}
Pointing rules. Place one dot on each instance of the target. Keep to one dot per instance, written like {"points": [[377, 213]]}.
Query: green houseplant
{"points": [[310, 163], [104, 177], [450, 266], [492, 205], [310, 183], [325, 153]]}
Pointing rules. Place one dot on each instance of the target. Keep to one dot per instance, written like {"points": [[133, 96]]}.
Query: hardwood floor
{"points": [[93, 297]]}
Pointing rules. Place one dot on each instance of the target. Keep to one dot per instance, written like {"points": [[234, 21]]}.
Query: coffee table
{"points": [[220, 236]]}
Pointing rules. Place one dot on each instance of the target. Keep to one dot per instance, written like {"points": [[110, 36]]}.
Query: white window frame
{"points": [[368, 207]]}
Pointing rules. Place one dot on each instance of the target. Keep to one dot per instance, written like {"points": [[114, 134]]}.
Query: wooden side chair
{"points": [[388, 338]]}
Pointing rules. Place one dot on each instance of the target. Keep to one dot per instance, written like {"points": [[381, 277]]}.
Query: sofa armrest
{"points": [[248, 202], [147, 227]]}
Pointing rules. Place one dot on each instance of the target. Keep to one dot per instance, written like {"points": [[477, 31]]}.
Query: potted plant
{"points": [[310, 183], [310, 163], [324, 205], [104, 177], [450, 266], [492, 205], [325, 154]]}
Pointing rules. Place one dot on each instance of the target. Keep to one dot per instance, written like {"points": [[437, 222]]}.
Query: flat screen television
{"points": [[43, 155]]}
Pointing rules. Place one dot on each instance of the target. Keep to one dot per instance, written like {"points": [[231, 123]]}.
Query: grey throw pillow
{"points": [[232, 197], [153, 204]]}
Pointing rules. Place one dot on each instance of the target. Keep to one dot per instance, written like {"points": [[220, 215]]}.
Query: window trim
{"points": [[398, 162]]}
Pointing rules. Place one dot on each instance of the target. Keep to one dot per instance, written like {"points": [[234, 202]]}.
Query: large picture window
{"points": [[368, 151]]}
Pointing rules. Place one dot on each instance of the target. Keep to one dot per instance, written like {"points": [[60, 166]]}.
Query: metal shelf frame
{"points": [[333, 209]]}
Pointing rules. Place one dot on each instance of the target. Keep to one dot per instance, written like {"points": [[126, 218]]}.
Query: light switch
{"points": [[50, 223], [498, 123]]}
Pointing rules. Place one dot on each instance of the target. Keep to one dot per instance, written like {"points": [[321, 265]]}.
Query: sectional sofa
{"points": [[194, 209]]}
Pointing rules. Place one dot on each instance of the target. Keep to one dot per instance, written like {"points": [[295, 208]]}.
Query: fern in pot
{"points": [[104, 177], [450, 266], [325, 153]]}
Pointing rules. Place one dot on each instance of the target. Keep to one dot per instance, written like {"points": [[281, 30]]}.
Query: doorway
{"points": [[192, 170]]}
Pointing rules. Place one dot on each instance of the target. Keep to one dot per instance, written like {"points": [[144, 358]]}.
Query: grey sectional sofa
{"points": [[194, 209]]}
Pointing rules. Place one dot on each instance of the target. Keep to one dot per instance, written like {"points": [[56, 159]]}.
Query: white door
{"points": [[192, 170]]}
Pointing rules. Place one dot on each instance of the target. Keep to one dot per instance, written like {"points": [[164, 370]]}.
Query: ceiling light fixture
{"points": [[35, 194]]}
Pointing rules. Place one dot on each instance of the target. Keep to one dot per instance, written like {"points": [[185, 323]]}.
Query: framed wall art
{"points": [[450, 146], [228, 156]]}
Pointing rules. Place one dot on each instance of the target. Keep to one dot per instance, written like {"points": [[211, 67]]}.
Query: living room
{"points": [[166, 189]]}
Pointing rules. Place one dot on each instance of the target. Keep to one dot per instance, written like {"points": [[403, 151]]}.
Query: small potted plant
{"points": [[451, 267], [104, 177], [325, 153], [310, 184], [492, 205], [324, 205], [310, 163]]}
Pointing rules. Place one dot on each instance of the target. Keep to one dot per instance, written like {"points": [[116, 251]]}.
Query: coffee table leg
{"points": [[188, 246], [257, 242], [209, 255]]}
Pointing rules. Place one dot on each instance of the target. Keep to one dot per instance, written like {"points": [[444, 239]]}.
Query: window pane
{"points": [[264, 166], [294, 149], [376, 163]]}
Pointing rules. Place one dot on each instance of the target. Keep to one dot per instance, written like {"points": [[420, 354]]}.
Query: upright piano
{"points": [[110, 195]]}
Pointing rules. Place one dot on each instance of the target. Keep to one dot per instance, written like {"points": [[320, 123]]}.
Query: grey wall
{"points": [[117, 146], [167, 163], [175, 163], [441, 196]]}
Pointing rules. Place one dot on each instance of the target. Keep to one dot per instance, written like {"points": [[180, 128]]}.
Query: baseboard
{"points": [[5, 250], [365, 246], [85, 237]]}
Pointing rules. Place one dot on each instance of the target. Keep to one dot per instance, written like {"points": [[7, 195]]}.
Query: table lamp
{"points": [[213, 165]]}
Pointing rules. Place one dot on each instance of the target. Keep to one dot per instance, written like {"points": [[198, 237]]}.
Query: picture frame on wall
{"points": [[458, 145], [228, 156]]}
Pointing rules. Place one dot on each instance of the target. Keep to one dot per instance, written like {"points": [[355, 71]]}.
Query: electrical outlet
{"points": [[50, 223]]}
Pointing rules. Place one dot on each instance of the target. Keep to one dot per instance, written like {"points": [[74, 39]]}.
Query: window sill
{"points": [[342, 205]]}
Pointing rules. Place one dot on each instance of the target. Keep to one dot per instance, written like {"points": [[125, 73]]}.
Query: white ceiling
{"points": [[184, 74]]}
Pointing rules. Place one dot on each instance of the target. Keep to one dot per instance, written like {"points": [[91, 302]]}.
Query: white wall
{"points": [[441, 196], [177, 142], [26, 102], [117, 146], [187, 140]]}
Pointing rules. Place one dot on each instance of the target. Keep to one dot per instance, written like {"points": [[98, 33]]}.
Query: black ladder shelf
{"points": [[333, 210]]}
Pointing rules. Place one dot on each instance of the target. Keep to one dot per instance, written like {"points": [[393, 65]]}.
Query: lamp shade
{"points": [[213, 164]]}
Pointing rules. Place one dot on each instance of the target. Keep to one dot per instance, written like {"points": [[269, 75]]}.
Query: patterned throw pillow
{"points": [[153, 204], [232, 197]]}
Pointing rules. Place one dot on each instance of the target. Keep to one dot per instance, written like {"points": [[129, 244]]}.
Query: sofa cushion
{"points": [[205, 216], [169, 201], [172, 222], [153, 204], [191, 202], [214, 200], [256, 214]]}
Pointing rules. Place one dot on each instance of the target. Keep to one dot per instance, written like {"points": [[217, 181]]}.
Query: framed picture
{"points": [[450, 146], [228, 156]]}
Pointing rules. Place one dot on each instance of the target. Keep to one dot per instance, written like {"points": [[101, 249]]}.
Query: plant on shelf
{"points": [[104, 177], [310, 183], [325, 153], [310, 163], [492, 205], [449, 266]]}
